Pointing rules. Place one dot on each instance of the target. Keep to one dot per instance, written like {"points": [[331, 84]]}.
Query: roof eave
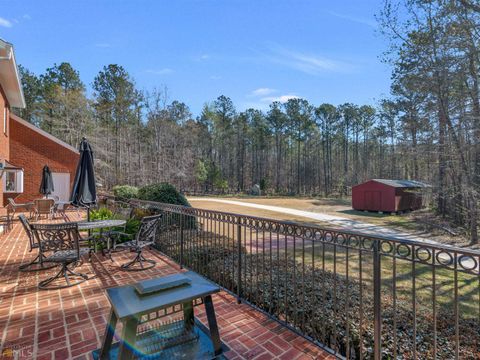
{"points": [[10, 79]]}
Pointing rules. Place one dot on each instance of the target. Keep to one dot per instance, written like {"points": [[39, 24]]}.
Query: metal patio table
{"points": [[101, 225], [130, 308]]}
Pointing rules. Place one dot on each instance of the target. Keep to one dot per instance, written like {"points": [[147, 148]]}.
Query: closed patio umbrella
{"points": [[46, 186], [84, 192]]}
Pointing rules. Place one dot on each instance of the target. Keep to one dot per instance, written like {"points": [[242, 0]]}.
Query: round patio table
{"points": [[100, 224]]}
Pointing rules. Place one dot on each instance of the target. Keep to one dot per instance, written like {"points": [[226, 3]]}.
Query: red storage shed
{"points": [[388, 195]]}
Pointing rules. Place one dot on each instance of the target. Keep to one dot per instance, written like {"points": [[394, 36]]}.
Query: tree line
{"points": [[140, 137], [434, 51], [428, 129]]}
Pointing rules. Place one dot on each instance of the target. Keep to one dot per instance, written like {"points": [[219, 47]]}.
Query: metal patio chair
{"points": [[36, 264], [145, 237], [62, 240], [6, 222], [13, 207], [120, 210], [61, 210], [44, 207]]}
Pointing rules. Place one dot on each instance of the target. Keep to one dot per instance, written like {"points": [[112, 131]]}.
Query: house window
{"points": [[13, 181]]}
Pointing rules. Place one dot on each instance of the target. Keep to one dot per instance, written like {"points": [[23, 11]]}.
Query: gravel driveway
{"points": [[336, 221]]}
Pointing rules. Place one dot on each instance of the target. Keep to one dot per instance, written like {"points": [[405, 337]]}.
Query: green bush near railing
{"points": [[132, 226], [103, 213], [163, 193], [167, 194], [125, 192]]}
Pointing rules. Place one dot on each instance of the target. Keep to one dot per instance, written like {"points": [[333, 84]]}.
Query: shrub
{"points": [[101, 214], [162, 192], [221, 184], [132, 226], [263, 184], [125, 192]]}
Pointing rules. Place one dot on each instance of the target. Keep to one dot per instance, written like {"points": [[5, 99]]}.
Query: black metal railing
{"points": [[359, 296]]}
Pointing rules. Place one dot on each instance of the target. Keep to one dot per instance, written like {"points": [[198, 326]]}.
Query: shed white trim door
{"points": [[61, 184]]}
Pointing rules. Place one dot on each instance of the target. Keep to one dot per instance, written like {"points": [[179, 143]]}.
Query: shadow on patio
{"points": [[69, 323]]}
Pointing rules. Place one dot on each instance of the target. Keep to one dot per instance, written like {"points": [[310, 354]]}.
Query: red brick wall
{"points": [[4, 139], [31, 151]]}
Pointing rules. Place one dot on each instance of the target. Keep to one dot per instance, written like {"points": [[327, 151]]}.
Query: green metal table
{"points": [[130, 307]]}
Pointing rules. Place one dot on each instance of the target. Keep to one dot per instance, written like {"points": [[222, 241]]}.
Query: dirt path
{"points": [[336, 221], [343, 223]]}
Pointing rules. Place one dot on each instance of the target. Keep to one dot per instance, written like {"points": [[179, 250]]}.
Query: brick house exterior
{"points": [[31, 149], [24, 148]]}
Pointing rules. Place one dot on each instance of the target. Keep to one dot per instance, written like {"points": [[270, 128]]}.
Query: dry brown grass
{"points": [[337, 207], [211, 205]]}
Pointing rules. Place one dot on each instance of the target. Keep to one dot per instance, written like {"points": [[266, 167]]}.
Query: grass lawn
{"points": [[468, 285], [266, 261]]}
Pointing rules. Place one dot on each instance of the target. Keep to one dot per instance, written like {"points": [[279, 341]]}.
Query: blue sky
{"points": [[253, 51]]}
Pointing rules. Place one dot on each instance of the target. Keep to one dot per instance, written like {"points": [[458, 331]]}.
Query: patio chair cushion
{"points": [[65, 255]]}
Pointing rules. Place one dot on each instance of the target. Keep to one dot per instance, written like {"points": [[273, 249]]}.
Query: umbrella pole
{"points": [[88, 219]]}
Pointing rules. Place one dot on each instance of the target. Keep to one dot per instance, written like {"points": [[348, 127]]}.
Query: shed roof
{"points": [[402, 183]]}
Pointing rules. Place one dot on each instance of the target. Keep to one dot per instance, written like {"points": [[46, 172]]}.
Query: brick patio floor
{"points": [[69, 323]]}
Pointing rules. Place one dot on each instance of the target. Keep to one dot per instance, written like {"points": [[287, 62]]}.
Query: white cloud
{"points": [[215, 77], [264, 102], [262, 91], [262, 94], [164, 71], [103, 45], [5, 23], [356, 19], [204, 57], [27, 17], [281, 98], [307, 63]]}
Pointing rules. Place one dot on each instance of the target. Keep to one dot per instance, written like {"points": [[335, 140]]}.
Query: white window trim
{"points": [[18, 182]]}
